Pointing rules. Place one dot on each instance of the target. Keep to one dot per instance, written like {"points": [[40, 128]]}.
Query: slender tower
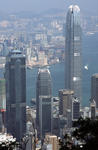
{"points": [[43, 101], [94, 89], [73, 51], [15, 74]]}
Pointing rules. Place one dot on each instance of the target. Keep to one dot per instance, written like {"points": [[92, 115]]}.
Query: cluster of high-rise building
{"points": [[40, 126], [39, 36]]}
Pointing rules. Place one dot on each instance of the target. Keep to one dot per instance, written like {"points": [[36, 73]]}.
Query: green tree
{"points": [[86, 132]]}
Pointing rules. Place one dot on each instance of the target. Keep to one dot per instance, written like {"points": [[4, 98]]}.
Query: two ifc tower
{"points": [[73, 71]]}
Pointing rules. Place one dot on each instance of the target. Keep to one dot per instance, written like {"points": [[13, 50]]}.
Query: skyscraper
{"points": [[2, 104], [73, 51], [65, 102], [43, 88], [93, 109], [75, 109], [94, 89], [45, 115], [51, 142], [65, 105], [2, 95], [15, 74]]}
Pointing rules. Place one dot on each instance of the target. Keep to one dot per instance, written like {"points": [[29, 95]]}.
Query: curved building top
{"points": [[15, 54], [44, 70], [74, 12], [44, 86], [44, 74], [74, 8]]}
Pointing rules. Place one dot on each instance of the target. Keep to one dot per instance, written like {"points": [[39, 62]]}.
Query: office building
{"points": [[43, 88], [2, 95], [55, 116], [62, 125], [51, 142], [65, 105], [85, 112], [45, 115], [2, 104], [65, 101], [93, 109], [75, 109], [94, 89], [15, 75], [73, 51]]}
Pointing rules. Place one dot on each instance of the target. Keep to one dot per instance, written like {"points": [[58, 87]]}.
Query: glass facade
{"points": [[94, 89], [73, 73], [75, 109], [2, 95], [45, 116], [15, 74], [43, 88], [44, 82]]}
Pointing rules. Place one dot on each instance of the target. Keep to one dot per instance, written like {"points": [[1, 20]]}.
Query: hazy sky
{"points": [[41, 5]]}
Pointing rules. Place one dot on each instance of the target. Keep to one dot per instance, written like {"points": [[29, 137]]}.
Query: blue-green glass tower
{"points": [[15, 75], [73, 48], [43, 101]]}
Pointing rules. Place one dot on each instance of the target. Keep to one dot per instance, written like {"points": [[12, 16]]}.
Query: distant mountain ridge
{"points": [[31, 14]]}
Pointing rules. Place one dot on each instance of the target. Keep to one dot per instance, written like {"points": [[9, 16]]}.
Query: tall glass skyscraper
{"points": [[43, 93], [15, 74], [73, 51], [2, 104], [94, 89], [45, 115]]}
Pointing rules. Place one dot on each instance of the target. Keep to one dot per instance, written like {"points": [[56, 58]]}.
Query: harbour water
{"points": [[89, 58]]}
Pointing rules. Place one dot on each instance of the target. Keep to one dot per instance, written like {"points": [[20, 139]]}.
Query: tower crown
{"points": [[74, 8]]}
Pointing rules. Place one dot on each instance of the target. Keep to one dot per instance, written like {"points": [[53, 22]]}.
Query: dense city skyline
{"points": [[41, 69]]}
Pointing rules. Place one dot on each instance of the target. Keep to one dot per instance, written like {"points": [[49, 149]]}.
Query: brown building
{"points": [[53, 141]]}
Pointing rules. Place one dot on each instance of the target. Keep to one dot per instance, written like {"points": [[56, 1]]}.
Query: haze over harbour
{"points": [[90, 58], [48, 74]]}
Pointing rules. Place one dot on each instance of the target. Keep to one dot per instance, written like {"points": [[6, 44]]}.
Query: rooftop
{"points": [[65, 91], [44, 70], [74, 8]]}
